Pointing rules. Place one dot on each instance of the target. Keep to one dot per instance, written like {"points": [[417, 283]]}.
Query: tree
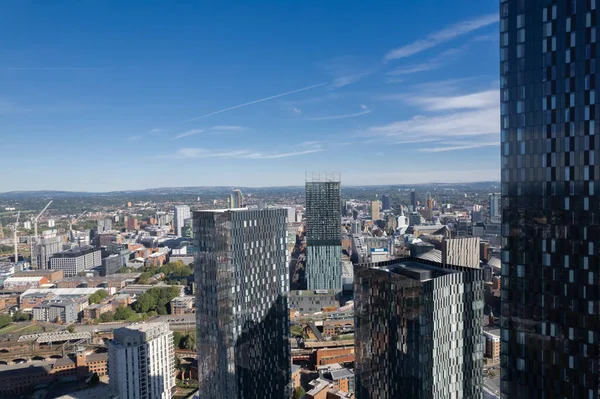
{"points": [[188, 341], [98, 296], [299, 393], [106, 317], [177, 336], [123, 313], [20, 316], [71, 328], [5, 320]]}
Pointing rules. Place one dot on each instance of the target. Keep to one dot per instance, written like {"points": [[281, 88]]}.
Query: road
{"points": [[493, 384]]}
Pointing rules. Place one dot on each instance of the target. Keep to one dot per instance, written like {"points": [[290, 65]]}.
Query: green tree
{"points": [[177, 336], [98, 296], [71, 328], [299, 393], [188, 341], [107, 317], [144, 303], [20, 316], [5, 320], [123, 313]]}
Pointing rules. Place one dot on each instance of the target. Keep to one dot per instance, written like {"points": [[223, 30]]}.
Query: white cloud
{"points": [[343, 116], [379, 154], [451, 147], [156, 130], [229, 128], [481, 100], [192, 153], [188, 133], [135, 138], [442, 36], [296, 110], [363, 106], [434, 63], [346, 70]]}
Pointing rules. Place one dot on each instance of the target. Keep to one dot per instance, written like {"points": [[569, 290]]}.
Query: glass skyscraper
{"points": [[550, 197], [324, 234], [241, 299], [418, 330]]}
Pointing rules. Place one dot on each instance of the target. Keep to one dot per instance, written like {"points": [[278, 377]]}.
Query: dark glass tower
{"points": [[550, 199], [418, 330], [323, 233], [242, 314]]}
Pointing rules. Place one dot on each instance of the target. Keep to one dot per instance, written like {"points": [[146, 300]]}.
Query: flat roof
{"points": [[418, 271], [340, 374]]}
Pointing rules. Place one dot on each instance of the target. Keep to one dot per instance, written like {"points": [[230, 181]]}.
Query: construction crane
{"points": [[15, 229], [71, 223], [37, 218]]}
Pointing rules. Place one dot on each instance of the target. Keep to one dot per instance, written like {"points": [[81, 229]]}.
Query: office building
{"points": [[495, 209], [141, 362], [42, 249], [236, 199], [375, 210], [76, 260], [551, 199], [323, 233], [242, 281], [413, 200], [132, 223], [182, 213], [104, 225], [57, 312], [461, 252], [418, 330], [385, 202]]}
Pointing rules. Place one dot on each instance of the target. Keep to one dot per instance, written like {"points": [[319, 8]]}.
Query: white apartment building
{"points": [[182, 212], [141, 362]]}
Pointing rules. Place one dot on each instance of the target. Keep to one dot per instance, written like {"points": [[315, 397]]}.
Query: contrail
{"points": [[253, 102]]}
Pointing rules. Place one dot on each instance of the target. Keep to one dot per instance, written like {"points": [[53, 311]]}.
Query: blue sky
{"points": [[114, 95]]}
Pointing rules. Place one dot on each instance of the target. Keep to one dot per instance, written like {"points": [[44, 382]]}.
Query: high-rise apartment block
{"points": [[418, 330], [182, 213], [242, 281], [42, 249], [104, 225], [413, 200], [551, 199], [385, 202], [141, 362], [495, 208], [236, 199], [323, 233], [375, 214]]}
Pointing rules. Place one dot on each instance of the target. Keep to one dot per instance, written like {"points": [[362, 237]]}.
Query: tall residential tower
{"points": [[550, 328], [323, 232], [242, 314], [182, 213]]}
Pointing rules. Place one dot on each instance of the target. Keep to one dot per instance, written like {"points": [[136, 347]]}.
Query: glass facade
{"points": [[242, 312], [418, 330], [550, 199], [323, 235]]}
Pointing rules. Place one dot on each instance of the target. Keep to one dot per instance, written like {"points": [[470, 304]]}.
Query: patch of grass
{"points": [[32, 329], [10, 329]]}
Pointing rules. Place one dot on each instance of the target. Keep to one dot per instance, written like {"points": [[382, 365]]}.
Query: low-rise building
{"points": [[312, 301], [296, 376], [51, 275], [156, 259], [94, 311], [57, 312], [183, 304], [492, 345], [19, 283], [327, 356], [336, 327]]}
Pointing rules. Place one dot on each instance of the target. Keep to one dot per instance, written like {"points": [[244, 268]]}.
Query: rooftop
{"points": [[418, 271], [75, 252], [341, 374], [318, 385], [23, 279]]}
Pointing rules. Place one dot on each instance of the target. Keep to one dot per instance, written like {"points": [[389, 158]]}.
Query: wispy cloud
{"points": [[451, 147], [194, 153], [192, 132], [481, 100], [156, 130], [229, 128], [296, 110], [346, 70], [343, 116], [253, 102], [363, 106], [434, 63], [135, 138], [441, 36]]}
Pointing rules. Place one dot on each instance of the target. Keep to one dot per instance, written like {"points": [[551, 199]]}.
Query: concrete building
{"points": [[461, 252], [495, 208], [418, 330], [375, 215], [111, 264], [42, 249], [182, 213], [313, 301], [104, 225], [141, 361], [76, 260], [492, 345], [323, 234], [242, 315], [63, 311], [183, 305]]}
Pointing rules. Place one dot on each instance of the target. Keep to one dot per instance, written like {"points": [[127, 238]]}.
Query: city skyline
{"points": [[167, 92]]}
